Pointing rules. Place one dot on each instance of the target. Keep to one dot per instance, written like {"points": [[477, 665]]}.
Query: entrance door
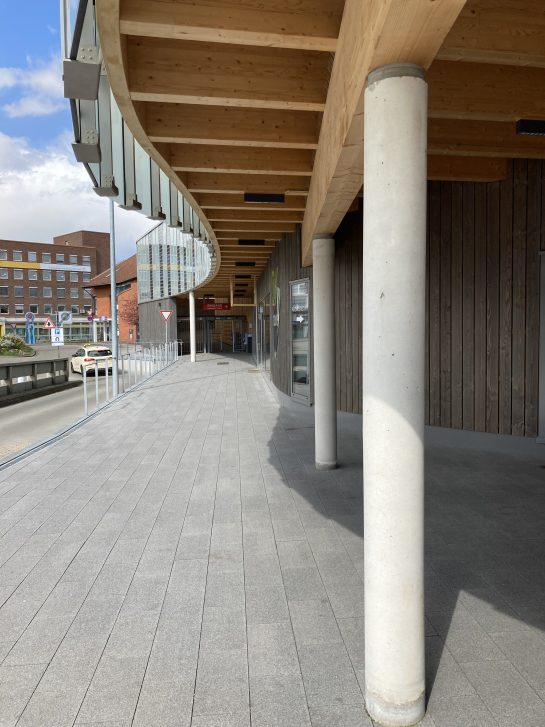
{"points": [[300, 340]]}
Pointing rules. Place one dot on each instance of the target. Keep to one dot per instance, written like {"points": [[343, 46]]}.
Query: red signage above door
{"points": [[207, 305]]}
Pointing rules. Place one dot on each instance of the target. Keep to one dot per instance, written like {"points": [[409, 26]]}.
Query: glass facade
{"points": [[170, 261]]}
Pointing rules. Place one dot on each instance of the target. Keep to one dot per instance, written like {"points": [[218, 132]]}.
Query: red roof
{"points": [[124, 271]]}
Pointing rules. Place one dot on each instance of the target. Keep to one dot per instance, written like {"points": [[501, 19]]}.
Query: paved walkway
{"points": [[178, 561]]}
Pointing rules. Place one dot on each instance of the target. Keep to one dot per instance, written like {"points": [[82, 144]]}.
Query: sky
{"points": [[43, 191]]}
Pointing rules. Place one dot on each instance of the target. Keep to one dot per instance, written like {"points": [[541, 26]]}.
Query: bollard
{"points": [[85, 402], [96, 384]]}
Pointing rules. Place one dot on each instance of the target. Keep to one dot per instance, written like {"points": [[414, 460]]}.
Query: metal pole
{"points": [[85, 402], [96, 384], [113, 302], [123, 372], [140, 362], [107, 385]]}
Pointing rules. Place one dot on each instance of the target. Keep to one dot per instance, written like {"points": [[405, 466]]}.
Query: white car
{"points": [[91, 357]]}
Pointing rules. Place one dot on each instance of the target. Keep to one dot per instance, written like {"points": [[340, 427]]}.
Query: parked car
{"points": [[88, 356]]}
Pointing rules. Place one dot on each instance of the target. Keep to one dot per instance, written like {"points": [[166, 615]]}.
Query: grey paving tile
{"points": [[505, 693], [271, 650], [278, 701], [303, 584], [339, 716], [461, 711], [242, 719], [17, 684]]}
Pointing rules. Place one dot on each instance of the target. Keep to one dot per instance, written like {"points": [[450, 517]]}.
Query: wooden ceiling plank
{"points": [[256, 215], [256, 228], [226, 75], [371, 35], [211, 182], [488, 92], [302, 24], [483, 139], [510, 32], [466, 169], [203, 158], [231, 126]]}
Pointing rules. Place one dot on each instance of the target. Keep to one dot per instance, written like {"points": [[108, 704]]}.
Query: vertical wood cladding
{"points": [[286, 258], [483, 301], [482, 292]]}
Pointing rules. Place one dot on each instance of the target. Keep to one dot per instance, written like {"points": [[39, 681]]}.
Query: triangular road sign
{"points": [[166, 314], [49, 323]]}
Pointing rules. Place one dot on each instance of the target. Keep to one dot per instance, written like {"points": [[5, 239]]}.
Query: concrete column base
{"points": [[395, 715], [326, 465]]}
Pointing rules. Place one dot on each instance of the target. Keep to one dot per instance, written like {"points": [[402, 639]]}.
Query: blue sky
{"points": [[38, 172]]}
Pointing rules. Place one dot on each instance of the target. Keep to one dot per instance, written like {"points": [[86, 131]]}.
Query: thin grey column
{"points": [[192, 334], [323, 323], [394, 268], [113, 304]]}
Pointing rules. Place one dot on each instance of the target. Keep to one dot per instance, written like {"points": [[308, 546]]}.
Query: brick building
{"points": [[127, 297], [44, 278]]}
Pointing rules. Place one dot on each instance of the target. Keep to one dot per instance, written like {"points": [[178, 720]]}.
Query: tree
{"points": [[128, 311]]}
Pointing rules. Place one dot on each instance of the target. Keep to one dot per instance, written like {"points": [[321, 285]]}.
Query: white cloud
{"points": [[45, 192], [39, 87]]}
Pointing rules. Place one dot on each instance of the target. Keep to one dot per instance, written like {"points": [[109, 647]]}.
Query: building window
{"points": [[86, 277], [47, 292], [61, 308], [3, 273], [46, 274], [60, 257], [17, 274], [4, 290], [33, 292], [19, 291], [88, 309], [75, 309], [33, 308], [86, 260], [60, 293], [17, 256], [74, 293], [74, 278], [86, 293], [48, 309], [3, 254], [19, 309], [60, 274], [4, 309], [46, 257], [32, 257], [73, 259], [33, 275]]}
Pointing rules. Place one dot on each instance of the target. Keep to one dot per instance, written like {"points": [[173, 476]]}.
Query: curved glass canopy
{"points": [[121, 169]]}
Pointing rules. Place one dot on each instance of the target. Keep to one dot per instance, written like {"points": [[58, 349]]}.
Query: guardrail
{"points": [[137, 364], [17, 378]]}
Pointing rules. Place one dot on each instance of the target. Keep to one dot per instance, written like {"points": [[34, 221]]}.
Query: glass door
{"points": [[300, 340]]}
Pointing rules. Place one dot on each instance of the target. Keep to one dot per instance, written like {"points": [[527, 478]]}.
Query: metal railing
{"points": [[137, 363]]}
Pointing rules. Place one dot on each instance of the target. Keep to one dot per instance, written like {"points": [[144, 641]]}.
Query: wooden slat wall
{"points": [[483, 299], [286, 257], [482, 291]]}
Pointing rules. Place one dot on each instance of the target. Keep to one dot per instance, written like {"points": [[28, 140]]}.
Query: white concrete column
{"points": [[192, 335], [323, 324], [394, 283]]}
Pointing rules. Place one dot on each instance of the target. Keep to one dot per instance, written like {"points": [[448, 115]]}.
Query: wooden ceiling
{"points": [[238, 96]]}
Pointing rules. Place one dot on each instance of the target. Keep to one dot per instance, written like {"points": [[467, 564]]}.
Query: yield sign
{"points": [[49, 323], [166, 314]]}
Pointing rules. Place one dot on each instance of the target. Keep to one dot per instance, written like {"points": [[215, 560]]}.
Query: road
{"points": [[31, 421]]}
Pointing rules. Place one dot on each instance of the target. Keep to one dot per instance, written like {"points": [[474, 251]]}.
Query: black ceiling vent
{"points": [[264, 198], [242, 277], [251, 242], [245, 264], [531, 127]]}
